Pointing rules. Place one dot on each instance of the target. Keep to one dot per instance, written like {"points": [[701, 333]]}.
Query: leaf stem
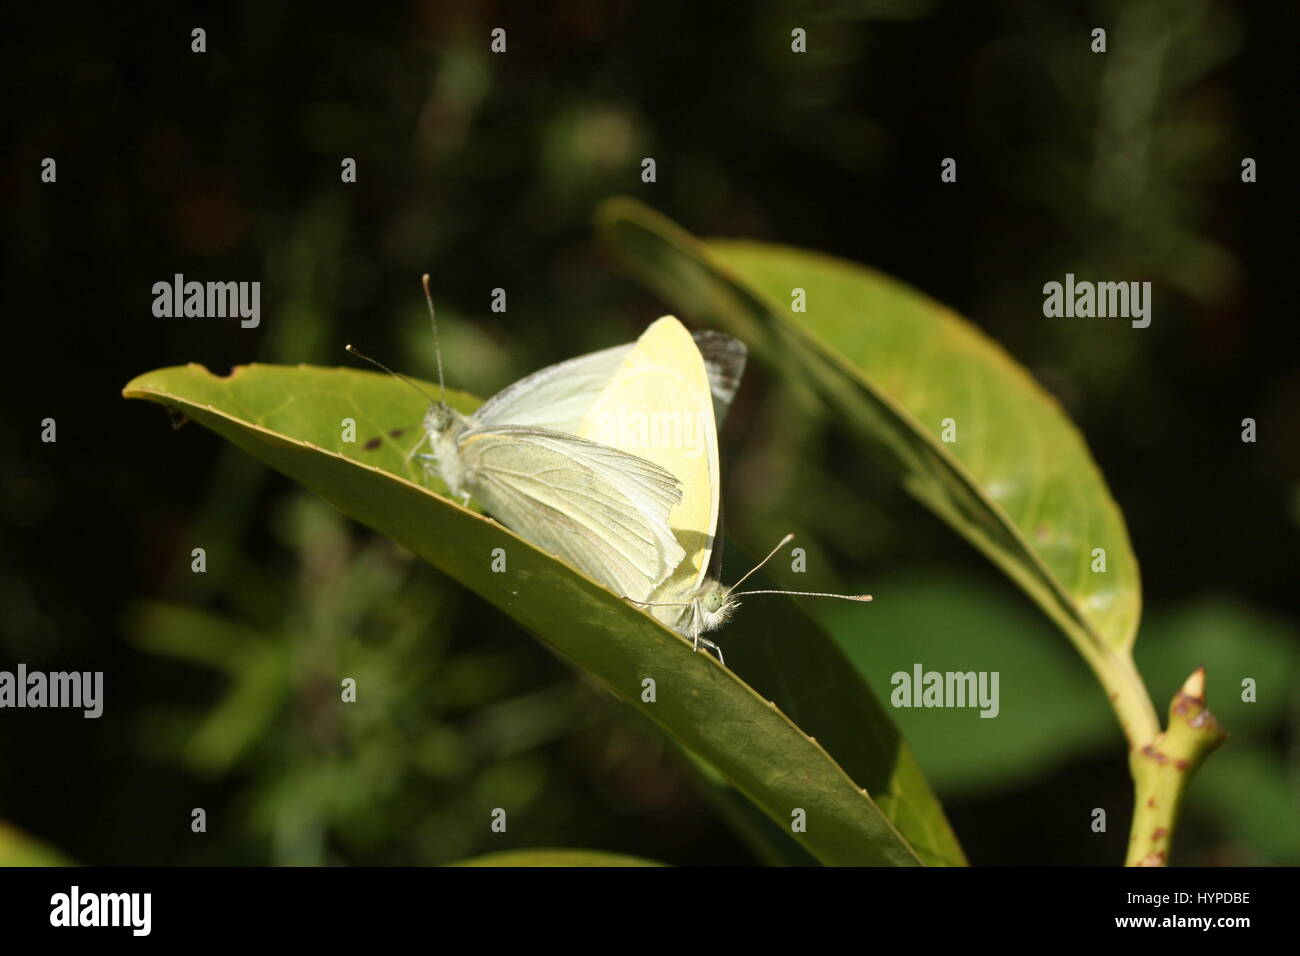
{"points": [[1162, 768], [1128, 696]]}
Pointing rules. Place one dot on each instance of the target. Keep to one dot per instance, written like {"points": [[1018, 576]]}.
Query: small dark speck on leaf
{"points": [[397, 433], [373, 444]]}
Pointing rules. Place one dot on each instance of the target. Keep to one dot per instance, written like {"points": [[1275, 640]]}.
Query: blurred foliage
{"points": [[484, 171], [566, 858], [19, 849]]}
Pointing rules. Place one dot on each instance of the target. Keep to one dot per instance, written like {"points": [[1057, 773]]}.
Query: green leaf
{"points": [[555, 858], [1018, 483], [962, 752], [291, 418]]}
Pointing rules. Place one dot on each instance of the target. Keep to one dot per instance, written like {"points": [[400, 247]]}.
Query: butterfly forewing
{"points": [[659, 405], [559, 396], [555, 397]]}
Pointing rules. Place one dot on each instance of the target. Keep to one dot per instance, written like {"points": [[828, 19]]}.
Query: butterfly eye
{"points": [[438, 418], [714, 600]]}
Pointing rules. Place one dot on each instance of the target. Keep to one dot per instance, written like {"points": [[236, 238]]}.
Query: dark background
{"points": [[484, 170]]}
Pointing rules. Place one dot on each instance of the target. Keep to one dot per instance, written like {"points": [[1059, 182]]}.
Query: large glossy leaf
{"points": [[292, 419], [1018, 481]]}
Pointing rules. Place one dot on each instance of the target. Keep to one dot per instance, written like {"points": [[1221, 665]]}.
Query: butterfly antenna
{"points": [[433, 320], [398, 375], [843, 597], [784, 541]]}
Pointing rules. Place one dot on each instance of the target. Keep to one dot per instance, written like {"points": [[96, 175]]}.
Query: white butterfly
{"points": [[673, 377], [604, 510]]}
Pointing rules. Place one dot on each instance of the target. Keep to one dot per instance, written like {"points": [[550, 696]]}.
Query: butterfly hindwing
{"points": [[603, 510], [724, 363]]}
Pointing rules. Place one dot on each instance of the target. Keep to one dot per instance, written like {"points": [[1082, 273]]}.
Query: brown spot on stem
{"points": [[1181, 764], [1159, 832], [1150, 751], [1151, 802]]}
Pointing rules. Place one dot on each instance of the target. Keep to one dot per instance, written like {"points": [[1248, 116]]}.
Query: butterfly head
{"points": [[717, 605], [439, 419]]}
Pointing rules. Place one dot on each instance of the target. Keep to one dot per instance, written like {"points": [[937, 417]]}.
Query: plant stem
{"points": [[1129, 698], [1163, 767]]}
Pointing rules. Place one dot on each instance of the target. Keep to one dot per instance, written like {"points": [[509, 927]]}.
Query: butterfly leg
{"points": [[428, 463], [707, 643], [416, 447]]}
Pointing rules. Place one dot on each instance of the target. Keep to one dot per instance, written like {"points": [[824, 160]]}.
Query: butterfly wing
{"points": [[603, 510], [555, 397], [558, 397], [659, 405], [724, 363]]}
